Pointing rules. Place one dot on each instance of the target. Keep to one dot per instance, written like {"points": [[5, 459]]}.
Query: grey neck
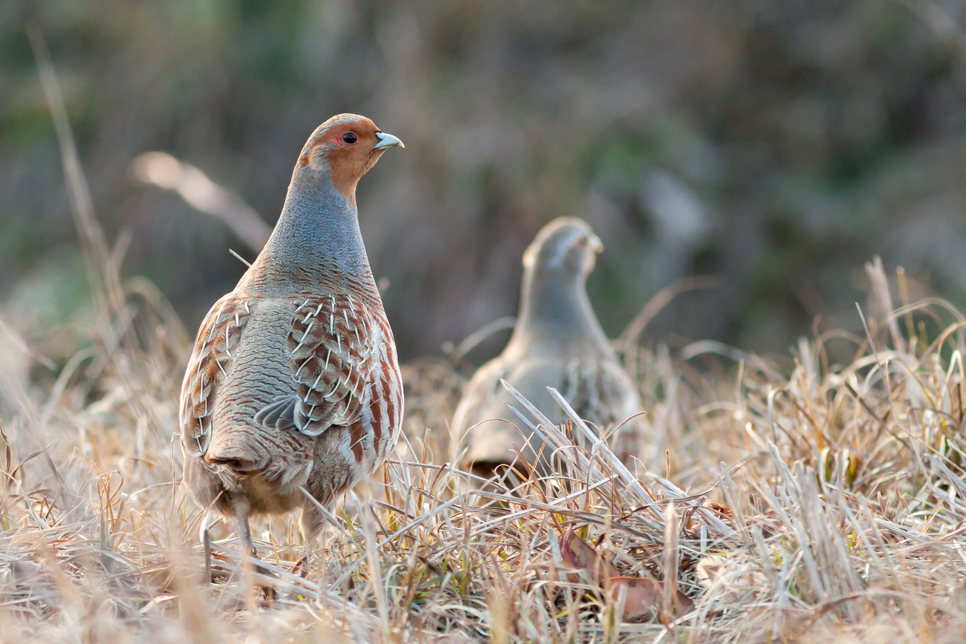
{"points": [[316, 240], [556, 308]]}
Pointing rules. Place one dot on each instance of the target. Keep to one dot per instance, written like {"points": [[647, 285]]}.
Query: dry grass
{"points": [[825, 504], [822, 505]]}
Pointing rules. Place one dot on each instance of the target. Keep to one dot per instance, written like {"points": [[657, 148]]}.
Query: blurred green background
{"points": [[778, 145]]}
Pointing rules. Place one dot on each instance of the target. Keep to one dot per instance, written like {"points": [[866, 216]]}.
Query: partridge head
{"points": [[292, 393], [557, 342], [343, 149]]}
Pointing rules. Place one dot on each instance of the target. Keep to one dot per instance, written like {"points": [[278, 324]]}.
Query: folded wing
{"points": [[210, 362], [334, 343]]}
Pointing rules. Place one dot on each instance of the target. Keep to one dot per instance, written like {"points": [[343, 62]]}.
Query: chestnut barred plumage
{"points": [[293, 382]]}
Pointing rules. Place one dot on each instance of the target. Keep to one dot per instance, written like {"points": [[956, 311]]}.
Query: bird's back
{"points": [[325, 361], [260, 373], [591, 379]]}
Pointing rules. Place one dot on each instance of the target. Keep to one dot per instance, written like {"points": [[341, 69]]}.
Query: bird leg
{"points": [[310, 522], [305, 562], [206, 543], [245, 533]]}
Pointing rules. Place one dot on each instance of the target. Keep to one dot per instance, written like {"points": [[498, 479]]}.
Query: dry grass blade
{"points": [[658, 302], [163, 170], [102, 272]]}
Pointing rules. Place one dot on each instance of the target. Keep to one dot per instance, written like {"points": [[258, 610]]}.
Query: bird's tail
{"points": [[260, 459], [233, 450]]}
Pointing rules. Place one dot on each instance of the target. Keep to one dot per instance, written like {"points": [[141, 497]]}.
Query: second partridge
{"points": [[557, 342]]}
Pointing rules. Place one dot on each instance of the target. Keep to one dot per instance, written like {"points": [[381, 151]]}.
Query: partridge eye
{"points": [[350, 138]]}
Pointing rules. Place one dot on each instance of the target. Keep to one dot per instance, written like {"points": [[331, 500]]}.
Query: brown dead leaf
{"points": [[720, 508], [577, 553], [643, 596]]}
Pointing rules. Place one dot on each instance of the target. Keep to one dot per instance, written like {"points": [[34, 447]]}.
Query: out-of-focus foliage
{"points": [[777, 144]]}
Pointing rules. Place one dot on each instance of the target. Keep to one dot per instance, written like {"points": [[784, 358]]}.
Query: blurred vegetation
{"points": [[776, 144]]}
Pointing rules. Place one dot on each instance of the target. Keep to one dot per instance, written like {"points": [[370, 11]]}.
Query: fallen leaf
{"points": [[579, 554], [643, 596], [720, 508]]}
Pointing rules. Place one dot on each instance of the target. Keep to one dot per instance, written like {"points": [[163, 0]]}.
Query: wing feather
{"points": [[334, 344], [210, 362]]}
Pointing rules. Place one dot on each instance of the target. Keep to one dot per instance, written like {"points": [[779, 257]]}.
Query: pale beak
{"points": [[387, 141], [595, 244]]}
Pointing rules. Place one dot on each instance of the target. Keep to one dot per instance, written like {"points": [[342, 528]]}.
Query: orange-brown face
{"points": [[346, 147]]}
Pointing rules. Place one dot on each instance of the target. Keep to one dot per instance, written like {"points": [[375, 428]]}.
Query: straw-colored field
{"points": [[823, 503]]}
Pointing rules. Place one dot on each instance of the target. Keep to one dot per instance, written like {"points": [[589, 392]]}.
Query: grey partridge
{"points": [[293, 383], [557, 342]]}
